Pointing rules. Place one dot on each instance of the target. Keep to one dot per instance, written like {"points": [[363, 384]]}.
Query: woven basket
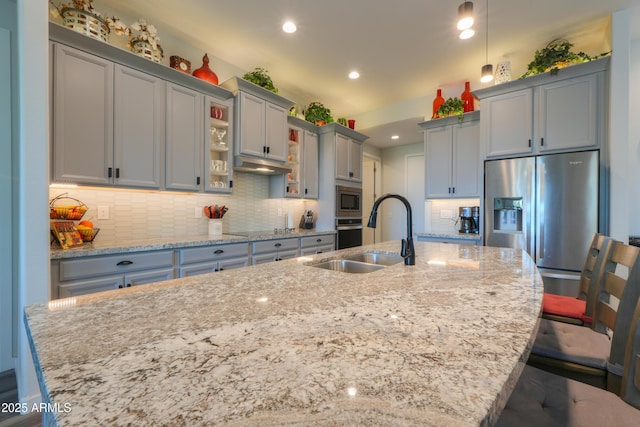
{"points": [[86, 23], [145, 49]]}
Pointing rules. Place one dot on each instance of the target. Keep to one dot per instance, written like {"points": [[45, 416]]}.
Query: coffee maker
{"points": [[469, 218]]}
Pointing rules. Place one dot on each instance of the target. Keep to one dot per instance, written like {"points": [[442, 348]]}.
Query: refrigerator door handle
{"points": [[541, 211]]}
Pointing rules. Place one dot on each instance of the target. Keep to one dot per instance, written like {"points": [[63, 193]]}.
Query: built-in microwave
{"points": [[348, 201]]}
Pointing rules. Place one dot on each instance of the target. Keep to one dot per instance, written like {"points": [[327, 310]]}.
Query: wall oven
{"points": [[348, 216]]}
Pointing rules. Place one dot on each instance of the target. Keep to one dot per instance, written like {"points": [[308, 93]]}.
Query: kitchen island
{"points": [[441, 343]]}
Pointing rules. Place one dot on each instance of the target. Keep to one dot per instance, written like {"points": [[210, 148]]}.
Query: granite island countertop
{"points": [[441, 343]]}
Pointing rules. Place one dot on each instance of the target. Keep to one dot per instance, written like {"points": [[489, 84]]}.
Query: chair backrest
{"points": [[630, 390], [616, 314], [592, 272]]}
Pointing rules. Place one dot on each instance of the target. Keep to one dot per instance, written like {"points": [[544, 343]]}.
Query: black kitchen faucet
{"points": [[407, 252]]}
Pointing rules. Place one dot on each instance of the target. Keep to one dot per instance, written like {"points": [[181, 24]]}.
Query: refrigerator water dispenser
{"points": [[507, 214]]}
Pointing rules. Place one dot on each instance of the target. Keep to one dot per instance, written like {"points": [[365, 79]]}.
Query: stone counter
{"points": [[99, 247], [441, 343]]}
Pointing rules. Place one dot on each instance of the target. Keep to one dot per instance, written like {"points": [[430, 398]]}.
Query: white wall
{"points": [[7, 316], [393, 216], [634, 139], [31, 171]]}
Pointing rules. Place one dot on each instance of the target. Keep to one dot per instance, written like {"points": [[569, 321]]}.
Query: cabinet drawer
{"points": [[306, 242], [102, 265], [275, 245], [212, 253]]}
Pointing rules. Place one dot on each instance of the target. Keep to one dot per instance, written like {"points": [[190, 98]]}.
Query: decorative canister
{"points": [[86, 23], [205, 72], [215, 228], [503, 72]]}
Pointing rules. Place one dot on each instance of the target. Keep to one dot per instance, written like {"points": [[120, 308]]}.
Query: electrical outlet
{"points": [[198, 212], [279, 211], [103, 212]]}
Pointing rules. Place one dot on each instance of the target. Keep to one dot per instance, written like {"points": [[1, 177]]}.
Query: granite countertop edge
{"points": [[450, 235], [162, 243]]}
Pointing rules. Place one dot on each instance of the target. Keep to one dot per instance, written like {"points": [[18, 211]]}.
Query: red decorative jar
{"points": [[437, 102], [205, 72], [467, 98]]}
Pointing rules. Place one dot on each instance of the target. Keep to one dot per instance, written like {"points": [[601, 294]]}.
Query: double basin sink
{"points": [[364, 262]]}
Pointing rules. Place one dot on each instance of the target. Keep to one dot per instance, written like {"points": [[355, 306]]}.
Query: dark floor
{"points": [[9, 394]]}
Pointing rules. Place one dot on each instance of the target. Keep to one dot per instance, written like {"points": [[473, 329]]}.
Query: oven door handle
{"points": [[349, 227]]}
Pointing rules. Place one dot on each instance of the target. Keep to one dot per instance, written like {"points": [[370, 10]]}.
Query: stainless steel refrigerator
{"points": [[547, 205]]}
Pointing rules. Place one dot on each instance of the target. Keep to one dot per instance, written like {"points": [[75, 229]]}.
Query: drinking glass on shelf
{"points": [[220, 133]]}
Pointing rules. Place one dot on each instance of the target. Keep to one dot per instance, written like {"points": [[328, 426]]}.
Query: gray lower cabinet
{"points": [[274, 250], [79, 276], [208, 259], [317, 244]]}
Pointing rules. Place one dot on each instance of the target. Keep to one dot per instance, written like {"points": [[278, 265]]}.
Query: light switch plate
{"points": [[103, 212]]}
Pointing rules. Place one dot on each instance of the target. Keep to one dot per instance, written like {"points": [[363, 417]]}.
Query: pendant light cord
{"points": [[486, 50]]}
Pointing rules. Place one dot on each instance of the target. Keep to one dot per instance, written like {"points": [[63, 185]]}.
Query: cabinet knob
{"points": [[318, 240], [277, 245], [220, 269], [125, 262], [120, 286], [128, 285]]}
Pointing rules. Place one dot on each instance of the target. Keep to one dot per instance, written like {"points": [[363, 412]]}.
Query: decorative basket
{"points": [[70, 212], [88, 234], [86, 22], [145, 49]]}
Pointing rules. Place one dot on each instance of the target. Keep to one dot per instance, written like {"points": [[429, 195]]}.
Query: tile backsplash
{"points": [[139, 214], [441, 214]]}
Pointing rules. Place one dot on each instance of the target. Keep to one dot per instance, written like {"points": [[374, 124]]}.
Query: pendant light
{"points": [[487, 69], [465, 15]]}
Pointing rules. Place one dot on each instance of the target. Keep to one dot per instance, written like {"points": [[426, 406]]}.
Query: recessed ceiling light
{"points": [[354, 75], [289, 27], [395, 137]]}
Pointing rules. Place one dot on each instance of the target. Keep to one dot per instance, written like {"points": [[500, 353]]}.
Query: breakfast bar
{"points": [[440, 343]]}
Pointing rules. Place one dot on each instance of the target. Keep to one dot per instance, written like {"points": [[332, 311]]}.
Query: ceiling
{"points": [[404, 50]]}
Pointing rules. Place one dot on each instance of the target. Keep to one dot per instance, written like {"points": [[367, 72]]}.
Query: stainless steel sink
{"points": [[348, 266], [376, 258]]}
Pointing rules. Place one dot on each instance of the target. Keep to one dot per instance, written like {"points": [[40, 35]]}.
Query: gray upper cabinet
{"points": [[452, 157], [546, 113], [310, 167], [184, 136], [82, 116], [139, 128], [261, 120], [348, 158]]}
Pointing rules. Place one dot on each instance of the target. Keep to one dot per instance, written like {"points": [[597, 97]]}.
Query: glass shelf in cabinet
{"points": [[219, 148], [217, 123]]}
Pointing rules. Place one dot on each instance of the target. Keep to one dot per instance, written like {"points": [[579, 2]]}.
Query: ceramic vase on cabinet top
{"points": [[467, 98], [437, 102], [205, 72]]}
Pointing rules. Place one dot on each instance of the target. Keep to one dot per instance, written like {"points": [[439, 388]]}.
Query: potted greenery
{"points": [[556, 55], [260, 77], [451, 107], [318, 114]]}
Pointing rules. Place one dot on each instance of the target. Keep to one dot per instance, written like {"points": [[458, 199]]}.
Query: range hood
{"points": [[260, 166]]}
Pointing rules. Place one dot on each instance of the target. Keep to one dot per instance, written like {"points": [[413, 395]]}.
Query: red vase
{"points": [[467, 98], [437, 102], [205, 72]]}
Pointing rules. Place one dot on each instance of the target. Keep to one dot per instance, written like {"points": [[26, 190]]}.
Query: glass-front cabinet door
{"points": [[294, 151], [219, 145]]}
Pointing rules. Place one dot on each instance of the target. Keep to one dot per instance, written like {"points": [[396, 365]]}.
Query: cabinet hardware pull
{"points": [[306, 190], [268, 149], [128, 285], [117, 172], [318, 240], [218, 251], [231, 184], [449, 190], [120, 286], [541, 142], [453, 190], [125, 262], [287, 188], [277, 245], [220, 269], [350, 174], [109, 172], [197, 180], [264, 148], [215, 270], [529, 143]]}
